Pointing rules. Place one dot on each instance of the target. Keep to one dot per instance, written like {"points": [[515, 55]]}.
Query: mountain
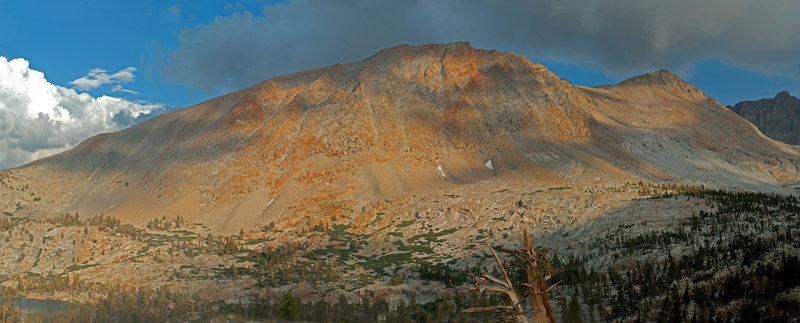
{"points": [[778, 118], [364, 190], [393, 133]]}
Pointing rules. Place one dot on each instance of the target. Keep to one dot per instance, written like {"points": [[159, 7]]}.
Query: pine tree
{"points": [[289, 308], [574, 310]]}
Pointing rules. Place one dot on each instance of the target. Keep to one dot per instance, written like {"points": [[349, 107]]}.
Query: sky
{"points": [[73, 69]]}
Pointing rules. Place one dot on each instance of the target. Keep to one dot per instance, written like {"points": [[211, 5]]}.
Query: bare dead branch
{"points": [[506, 284], [554, 285], [500, 264], [489, 308]]}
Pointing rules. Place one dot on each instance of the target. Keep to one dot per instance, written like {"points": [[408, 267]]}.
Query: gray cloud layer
{"points": [[619, 37]]}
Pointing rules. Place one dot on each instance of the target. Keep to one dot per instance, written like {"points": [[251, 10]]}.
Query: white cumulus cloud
{"points": [[98, 77], [118, 88], [38, 118]]}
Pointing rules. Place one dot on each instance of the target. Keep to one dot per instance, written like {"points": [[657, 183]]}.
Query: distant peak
{"points": [[657, 77], [782, 98], [459, 44], [431, 47], [783, 95], [452, 54]]}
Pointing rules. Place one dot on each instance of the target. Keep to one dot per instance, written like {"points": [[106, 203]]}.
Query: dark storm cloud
{"points": [[619, 37]]}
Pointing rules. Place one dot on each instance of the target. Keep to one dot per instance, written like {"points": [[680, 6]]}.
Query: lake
{"points": [[43, 308]]}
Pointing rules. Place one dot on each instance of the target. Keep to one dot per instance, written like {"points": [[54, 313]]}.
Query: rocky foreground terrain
{"points": [[384, 180], [655, 251]]}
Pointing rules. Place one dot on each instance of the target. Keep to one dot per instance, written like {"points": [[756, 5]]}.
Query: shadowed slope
{"points": [[778, 117], [681, 132]]}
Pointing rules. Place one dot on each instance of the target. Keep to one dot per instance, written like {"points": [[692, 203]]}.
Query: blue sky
{"points": [[157, 56], [65, 39]]}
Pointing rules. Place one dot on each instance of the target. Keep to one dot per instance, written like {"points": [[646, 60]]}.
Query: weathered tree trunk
{"points": [[540, 306]]}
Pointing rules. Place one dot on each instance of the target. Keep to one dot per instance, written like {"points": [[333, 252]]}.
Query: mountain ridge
{"points": [[777, 117]]}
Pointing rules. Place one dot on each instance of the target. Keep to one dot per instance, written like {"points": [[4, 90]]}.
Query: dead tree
{"points": [[537, 275]]}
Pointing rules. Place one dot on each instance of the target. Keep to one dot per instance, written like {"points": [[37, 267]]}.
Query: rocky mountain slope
{"points": [[778, 118], [393, 133], [380, 183]]}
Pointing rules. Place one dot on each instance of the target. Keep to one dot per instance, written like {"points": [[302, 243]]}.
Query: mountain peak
{"points": [[660, 77], [446, 71], [461, 51], [782, 96], [452, 45], [422, 50]]}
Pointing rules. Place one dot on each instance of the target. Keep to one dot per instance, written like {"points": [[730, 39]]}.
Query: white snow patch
{"points": [[442, 171], [489, 164]]}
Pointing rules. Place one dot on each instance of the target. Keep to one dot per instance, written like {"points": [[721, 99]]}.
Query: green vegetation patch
{"points": [[339, 229], [451, 276], [184, 232], [38, 256], [405, 224], [380, 264], [342, 254], [339, 233], [412, 248], [79, 267], [432, 236], [157, 239], [161, 239], [257, 241]]}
